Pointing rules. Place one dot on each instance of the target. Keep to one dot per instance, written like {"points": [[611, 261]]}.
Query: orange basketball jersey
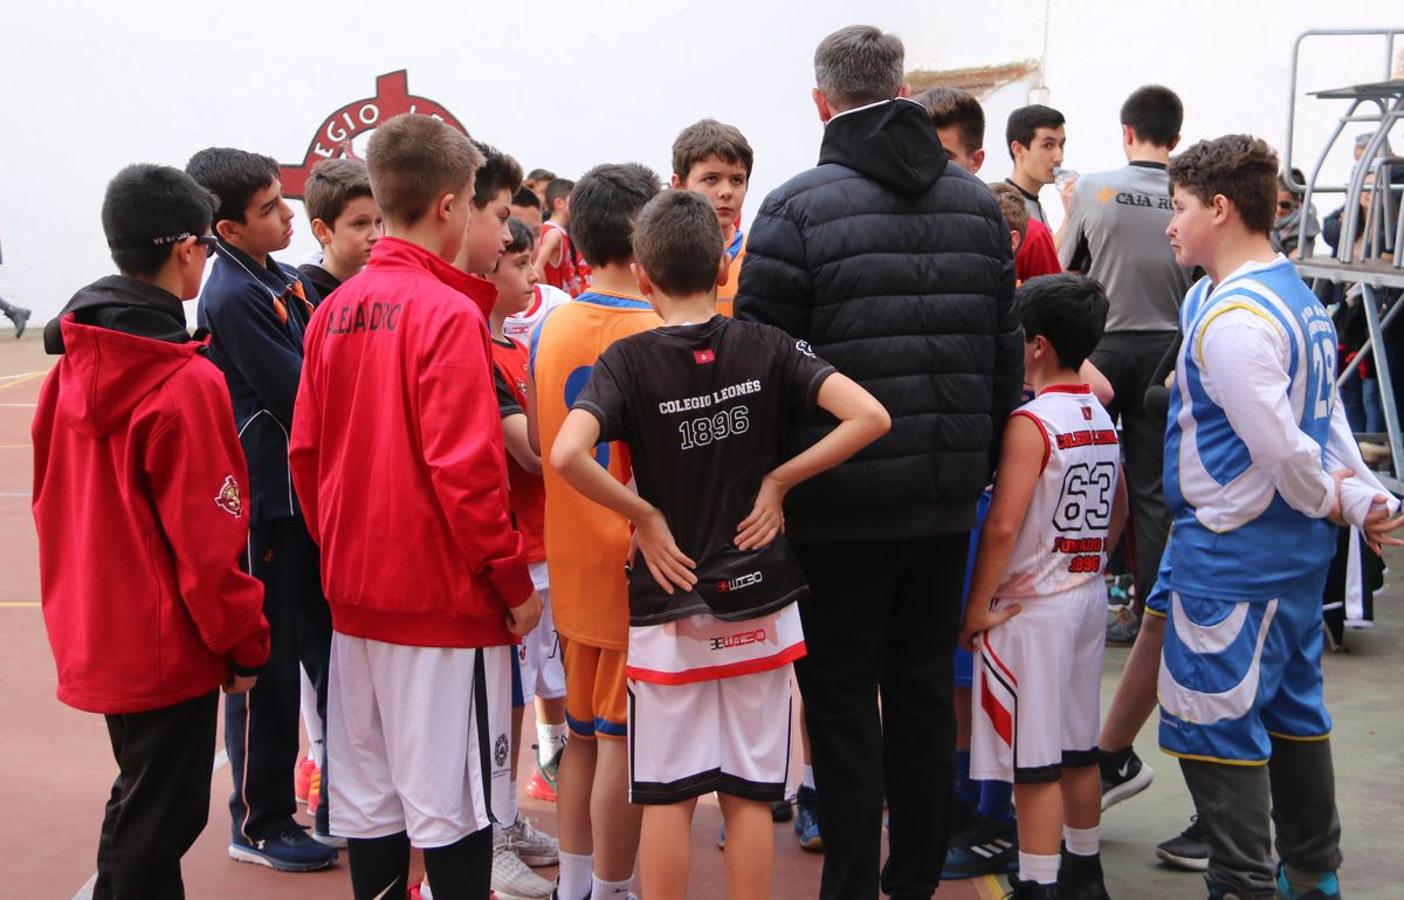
{"points": [[586, 544], [726, 294]]}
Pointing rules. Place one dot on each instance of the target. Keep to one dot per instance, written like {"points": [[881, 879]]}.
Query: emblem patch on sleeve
{"points": [[229, 499]]}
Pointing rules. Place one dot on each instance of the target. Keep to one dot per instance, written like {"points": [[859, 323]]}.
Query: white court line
{"points": [[4, 378], [25, 405], [86, 891]]}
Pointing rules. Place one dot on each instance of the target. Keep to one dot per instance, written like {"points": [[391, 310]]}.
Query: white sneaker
{"points": [[512, 878], [533, 846]]}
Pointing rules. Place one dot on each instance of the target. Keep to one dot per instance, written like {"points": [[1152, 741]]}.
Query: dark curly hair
{"points": [[1240, 167]]}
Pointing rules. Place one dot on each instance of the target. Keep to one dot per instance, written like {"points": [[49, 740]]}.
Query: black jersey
{"points": [[704, 410]]}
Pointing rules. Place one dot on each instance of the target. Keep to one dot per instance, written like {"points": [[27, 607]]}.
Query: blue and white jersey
{"points": [[1233, 535]]}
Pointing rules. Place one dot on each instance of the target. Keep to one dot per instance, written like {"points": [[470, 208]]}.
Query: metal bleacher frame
{"points": [[1372, 273]]}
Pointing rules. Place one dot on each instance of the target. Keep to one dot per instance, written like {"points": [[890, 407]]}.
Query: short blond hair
{"points": [[414, 160], [1011, 204]]}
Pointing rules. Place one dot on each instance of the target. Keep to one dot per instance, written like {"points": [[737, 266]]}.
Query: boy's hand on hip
{"points": [[979, 618], [240, 684], [522, 619], [767, 517], [668, 565]]}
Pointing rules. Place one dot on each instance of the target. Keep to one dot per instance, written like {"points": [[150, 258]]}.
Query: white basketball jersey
{"points": [[1063, 542]]}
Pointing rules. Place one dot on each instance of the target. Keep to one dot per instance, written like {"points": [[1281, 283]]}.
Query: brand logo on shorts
{"points": [[1087, 413], [739, 582], [501, 749], [740, 639], [229, 498]]}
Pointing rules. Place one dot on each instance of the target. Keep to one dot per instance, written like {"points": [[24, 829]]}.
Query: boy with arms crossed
{"points": [[703, 404], [1258, 458], [426, 607], [138, 503], [1037, 598], [586, 546]]}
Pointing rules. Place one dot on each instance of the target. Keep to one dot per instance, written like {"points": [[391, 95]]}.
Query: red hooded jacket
{"points": [[398, 459], [138, 480]]}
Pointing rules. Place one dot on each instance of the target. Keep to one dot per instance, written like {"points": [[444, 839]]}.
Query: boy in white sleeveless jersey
{"points": [[1036, 611]]}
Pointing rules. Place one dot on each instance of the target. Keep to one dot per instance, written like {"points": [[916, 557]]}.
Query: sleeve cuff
{"points": [[513, 582], [245, 671]]}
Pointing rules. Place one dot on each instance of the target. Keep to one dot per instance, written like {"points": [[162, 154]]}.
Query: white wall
{"points": [[88, 88]]}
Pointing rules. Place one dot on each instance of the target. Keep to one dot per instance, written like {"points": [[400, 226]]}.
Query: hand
{"points": [[1337, 477], [669, 566], [1378, 524], [240, 684], [767, 518], [522, 619], [979, 618], [1066, 192]]}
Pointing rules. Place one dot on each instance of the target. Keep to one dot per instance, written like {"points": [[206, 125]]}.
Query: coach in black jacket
{"points": [[895, 266]]}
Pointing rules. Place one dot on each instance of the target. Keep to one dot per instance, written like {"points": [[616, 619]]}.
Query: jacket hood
{"points": [[121, 303], [893, 143], [106, 373], [390, 251]]}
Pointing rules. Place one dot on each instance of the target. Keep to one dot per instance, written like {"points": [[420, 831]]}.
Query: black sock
{"points": [[462, 870], [379, 866]]}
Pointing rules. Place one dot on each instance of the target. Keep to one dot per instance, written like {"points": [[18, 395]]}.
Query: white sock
{"points": [[1083, 841], [609, 890], [1042, 869], [574, 882], [549, 739], [807, 780]]}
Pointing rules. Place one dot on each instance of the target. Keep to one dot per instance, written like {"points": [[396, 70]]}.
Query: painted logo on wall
{"points": [[343, 133]]}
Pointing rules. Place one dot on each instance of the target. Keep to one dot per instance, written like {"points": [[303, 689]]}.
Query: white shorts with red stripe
{"points": [[539, 653], [1037, 687], [709, 707]]}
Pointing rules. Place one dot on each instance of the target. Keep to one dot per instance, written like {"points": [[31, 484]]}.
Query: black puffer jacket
{"points": [[896, 267]]}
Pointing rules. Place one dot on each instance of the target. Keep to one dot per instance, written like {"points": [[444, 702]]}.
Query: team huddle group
{"points": [[594, 446]]}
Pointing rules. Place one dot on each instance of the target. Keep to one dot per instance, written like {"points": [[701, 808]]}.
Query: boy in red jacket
{"points": [[398, 458], [138, 502]]}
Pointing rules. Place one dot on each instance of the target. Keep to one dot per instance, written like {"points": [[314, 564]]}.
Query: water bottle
{"points": [[1062, 176]]}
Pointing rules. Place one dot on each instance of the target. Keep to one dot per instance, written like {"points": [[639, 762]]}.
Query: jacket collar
{"points": [[397, 252]]}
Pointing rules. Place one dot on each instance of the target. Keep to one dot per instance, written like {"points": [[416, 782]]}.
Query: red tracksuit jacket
{"points": [[138, 500], [398, 459]]}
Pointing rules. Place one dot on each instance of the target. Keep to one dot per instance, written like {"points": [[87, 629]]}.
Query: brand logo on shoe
{"points": [[1125, 767], [501, 750], [229, 499]]}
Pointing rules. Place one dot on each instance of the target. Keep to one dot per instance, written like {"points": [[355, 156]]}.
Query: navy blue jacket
{"points": [[895, 266], [260, 355]]}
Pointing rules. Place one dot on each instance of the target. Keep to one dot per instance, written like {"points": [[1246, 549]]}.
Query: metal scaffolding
{"points": [[1378, 268]]}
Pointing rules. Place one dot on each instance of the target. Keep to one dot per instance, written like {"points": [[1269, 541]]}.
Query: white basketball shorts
{"points": [[418, 739], [1037, 687]]}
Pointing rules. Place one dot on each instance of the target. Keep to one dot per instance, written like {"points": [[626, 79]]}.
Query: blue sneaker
{"points": [[1328, 887], [986, 847], [291, 851], [807, 820]]}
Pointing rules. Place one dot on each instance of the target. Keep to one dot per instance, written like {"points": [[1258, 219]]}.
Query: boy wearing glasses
{"points": [[133, 438], [257, 311]]}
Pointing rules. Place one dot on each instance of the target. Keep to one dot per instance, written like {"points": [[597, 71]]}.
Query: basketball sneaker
{"points": [[1187, 850], [985, 847], [1030, 890], [1080, 878], [542, 783], [807, 820], [302, 778], [1328, 887], [534, 846], [512, 878], [291, 851], [1123, 776]]}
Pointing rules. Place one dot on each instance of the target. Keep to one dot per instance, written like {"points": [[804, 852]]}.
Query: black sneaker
{"points": [[291, 851], [986, 847], [782, 810], [1030, 890], [1123, 776], [1187, 850], [1080, 878]]}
